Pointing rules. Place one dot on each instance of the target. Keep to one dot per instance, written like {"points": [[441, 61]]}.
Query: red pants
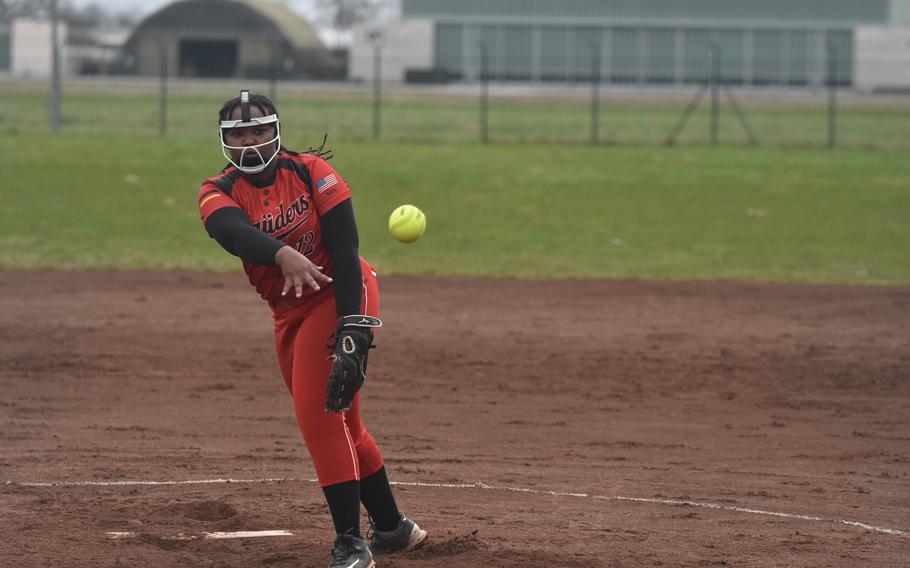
{"points": [[340, 446]]}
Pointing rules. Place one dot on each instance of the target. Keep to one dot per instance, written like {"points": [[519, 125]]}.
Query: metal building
{"points": [[228, 38], [758, 42], [25, 47]]}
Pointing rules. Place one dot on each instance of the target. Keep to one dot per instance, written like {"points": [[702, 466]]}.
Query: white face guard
{"points": [[260, 121]]}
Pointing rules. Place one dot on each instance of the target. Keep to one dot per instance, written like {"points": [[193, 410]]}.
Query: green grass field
{"points": [[109, 192], [122, 201]]}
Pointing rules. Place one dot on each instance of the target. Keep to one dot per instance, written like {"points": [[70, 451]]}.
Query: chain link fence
{"points": [[481, 112]]}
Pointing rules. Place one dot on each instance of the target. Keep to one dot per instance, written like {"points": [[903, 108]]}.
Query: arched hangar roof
{"points": [[256, 17]]}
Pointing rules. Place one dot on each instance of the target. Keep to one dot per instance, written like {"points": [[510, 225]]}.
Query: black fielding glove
{"points": [[353, 341]]}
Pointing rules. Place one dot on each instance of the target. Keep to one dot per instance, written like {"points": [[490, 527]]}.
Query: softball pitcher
{"points": [[288, 216]]}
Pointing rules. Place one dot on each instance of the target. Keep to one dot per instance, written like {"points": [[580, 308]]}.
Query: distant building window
{"points": [[553, 54], [449, 48], [208, 58]]}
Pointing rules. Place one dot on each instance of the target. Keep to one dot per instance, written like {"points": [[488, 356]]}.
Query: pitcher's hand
{"points": [[298, 270]]}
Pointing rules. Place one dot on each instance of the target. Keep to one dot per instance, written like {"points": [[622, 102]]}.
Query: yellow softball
{"points": [[407, 223]]}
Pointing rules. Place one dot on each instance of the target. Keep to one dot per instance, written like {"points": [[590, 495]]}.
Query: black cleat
{"points": [[406, 536], [351, 552]]}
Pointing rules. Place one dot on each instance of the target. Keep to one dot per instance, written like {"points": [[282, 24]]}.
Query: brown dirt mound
{"points": [[778, 398]]}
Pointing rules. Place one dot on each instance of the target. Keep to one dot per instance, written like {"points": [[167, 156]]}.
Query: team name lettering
{"points": [[272, 223]]}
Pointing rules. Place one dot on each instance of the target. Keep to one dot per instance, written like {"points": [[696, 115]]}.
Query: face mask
{"points": [[245, 121]]}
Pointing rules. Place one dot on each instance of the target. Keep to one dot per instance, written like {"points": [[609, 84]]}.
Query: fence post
{"points": [[832, 95], [162, 95], [377, 91], [595, 93], [273, 72], [715, 93], [484, 92], [55, 69]]}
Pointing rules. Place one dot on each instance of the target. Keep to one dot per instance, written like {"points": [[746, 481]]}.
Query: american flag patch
{"points": [[326, 182]]}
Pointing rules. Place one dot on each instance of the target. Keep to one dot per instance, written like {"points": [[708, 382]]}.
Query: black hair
{"points": [[264, 103]]}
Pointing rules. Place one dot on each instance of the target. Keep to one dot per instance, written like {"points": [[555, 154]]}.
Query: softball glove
{"points": [[353, 340]]}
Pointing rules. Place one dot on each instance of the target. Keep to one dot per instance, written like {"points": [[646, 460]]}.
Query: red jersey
{"points": [[305, 188]]}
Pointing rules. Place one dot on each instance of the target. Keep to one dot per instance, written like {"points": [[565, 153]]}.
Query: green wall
{"points": [[767, 42], [853, 11], [654, 55]]}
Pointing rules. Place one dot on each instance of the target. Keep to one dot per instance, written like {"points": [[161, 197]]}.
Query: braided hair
{"points": [[267, 107]]}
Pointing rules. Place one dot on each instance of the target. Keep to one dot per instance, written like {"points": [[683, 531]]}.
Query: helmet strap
{"points": [[245, 106]]}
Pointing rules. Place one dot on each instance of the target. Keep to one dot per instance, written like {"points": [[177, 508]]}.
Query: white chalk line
{"points": [[484, 486], [119, 483], [208, 535]]}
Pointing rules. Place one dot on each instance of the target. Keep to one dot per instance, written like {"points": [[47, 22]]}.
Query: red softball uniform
{"points": [[305, 188]]}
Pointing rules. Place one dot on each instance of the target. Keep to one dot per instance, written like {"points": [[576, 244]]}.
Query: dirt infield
{"points": [[743, 400]]}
